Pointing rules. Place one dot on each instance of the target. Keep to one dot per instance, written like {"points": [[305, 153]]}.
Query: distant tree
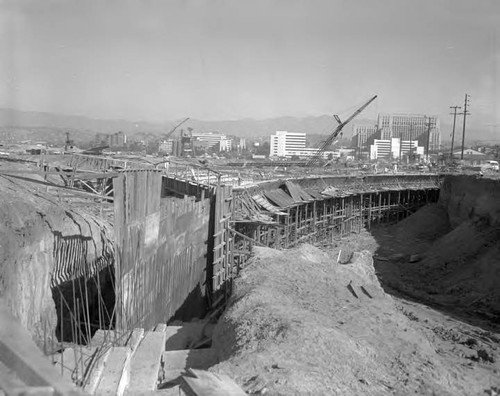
{"points": [[152, 147], [496, 151], [263, 149]]}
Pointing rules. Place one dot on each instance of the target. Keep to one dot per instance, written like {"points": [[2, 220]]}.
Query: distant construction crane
{"points": [[68, 143], [174, 129], [317, 157]]}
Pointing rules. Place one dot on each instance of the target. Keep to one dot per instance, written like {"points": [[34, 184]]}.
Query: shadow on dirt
{"points": [[453, 270]]}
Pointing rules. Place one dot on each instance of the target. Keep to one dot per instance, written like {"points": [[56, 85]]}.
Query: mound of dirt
{"points": [[456, 266], [300, 323], [429, 222]]}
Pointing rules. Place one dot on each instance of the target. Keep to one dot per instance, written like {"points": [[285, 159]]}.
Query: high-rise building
{"points": [[284, 142], [409, 127], [363, 135]]}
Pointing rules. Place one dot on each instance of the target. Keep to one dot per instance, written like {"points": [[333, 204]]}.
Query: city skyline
{"points": [[229, 60]]}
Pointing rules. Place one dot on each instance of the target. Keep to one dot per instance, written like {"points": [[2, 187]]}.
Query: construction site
{"points": [[128, 276], [263, 198]]}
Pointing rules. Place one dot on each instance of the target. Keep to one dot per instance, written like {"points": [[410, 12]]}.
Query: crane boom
{"points": [[336, 132], [177, 126]]}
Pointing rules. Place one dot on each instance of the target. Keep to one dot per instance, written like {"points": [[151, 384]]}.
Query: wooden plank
{"points": [[21, 355], [145, 362], [81, 174], [10, 384], [52, 185], [114, 378], [98, 364]]}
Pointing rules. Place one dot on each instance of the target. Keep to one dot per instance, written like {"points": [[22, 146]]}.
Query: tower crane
{"points": [[315, 159]]}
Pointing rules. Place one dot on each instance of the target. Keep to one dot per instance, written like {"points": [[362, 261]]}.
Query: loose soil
{"points": [[299, 322]]}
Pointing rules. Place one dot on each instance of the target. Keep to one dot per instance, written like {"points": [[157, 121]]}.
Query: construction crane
{"points": [[68, 143], [316, 158], [173, 130]]}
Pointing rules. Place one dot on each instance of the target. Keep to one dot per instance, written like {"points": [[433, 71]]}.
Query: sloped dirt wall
{"points": [[471, 198], [31, 223]]}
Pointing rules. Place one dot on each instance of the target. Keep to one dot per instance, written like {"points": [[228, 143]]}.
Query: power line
{"points": [[453, 133], [465, 114]]}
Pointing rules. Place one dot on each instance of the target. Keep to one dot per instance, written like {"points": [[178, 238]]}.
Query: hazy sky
{"points": [[160, 60]]}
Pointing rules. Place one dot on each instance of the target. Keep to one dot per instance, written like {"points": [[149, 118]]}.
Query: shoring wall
{"points": [[321, 222], [161, 249]]}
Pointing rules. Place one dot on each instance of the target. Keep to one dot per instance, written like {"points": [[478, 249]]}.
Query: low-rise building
{"points": [[394, 148], [282, 143]]}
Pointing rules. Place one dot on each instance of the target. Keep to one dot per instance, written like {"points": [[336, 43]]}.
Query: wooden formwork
{"points": [[161, 249], [223, 259], [324, 221]]}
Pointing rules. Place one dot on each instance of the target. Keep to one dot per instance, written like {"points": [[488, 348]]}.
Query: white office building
{"points": [[283, 142], [225, 144], [209, 139], [394, 148]]}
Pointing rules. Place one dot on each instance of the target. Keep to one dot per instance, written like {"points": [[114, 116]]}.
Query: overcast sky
{"points": [[160, 60]]}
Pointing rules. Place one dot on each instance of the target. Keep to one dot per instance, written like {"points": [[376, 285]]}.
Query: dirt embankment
{"points": [[457, 243], [469, 198], [32, 226], [300, 323]]}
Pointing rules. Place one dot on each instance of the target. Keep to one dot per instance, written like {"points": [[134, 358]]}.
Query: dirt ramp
{"points": [[300, 323]]}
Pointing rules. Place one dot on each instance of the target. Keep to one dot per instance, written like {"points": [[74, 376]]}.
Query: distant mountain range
{"points": [[32, 119], [49, 124], [241, 128]]}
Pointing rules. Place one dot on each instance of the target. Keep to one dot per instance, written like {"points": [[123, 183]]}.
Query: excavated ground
{"points": [[295, 327], [456, 270], [32, 222], [301, 323]]}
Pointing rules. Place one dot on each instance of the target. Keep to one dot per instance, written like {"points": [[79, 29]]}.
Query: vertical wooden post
{"points": [[370, 195], [361, 212], [379, 206]]}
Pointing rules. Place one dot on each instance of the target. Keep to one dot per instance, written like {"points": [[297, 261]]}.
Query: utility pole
{"points": [[429, 124], [453, 133], [465, 114]]}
